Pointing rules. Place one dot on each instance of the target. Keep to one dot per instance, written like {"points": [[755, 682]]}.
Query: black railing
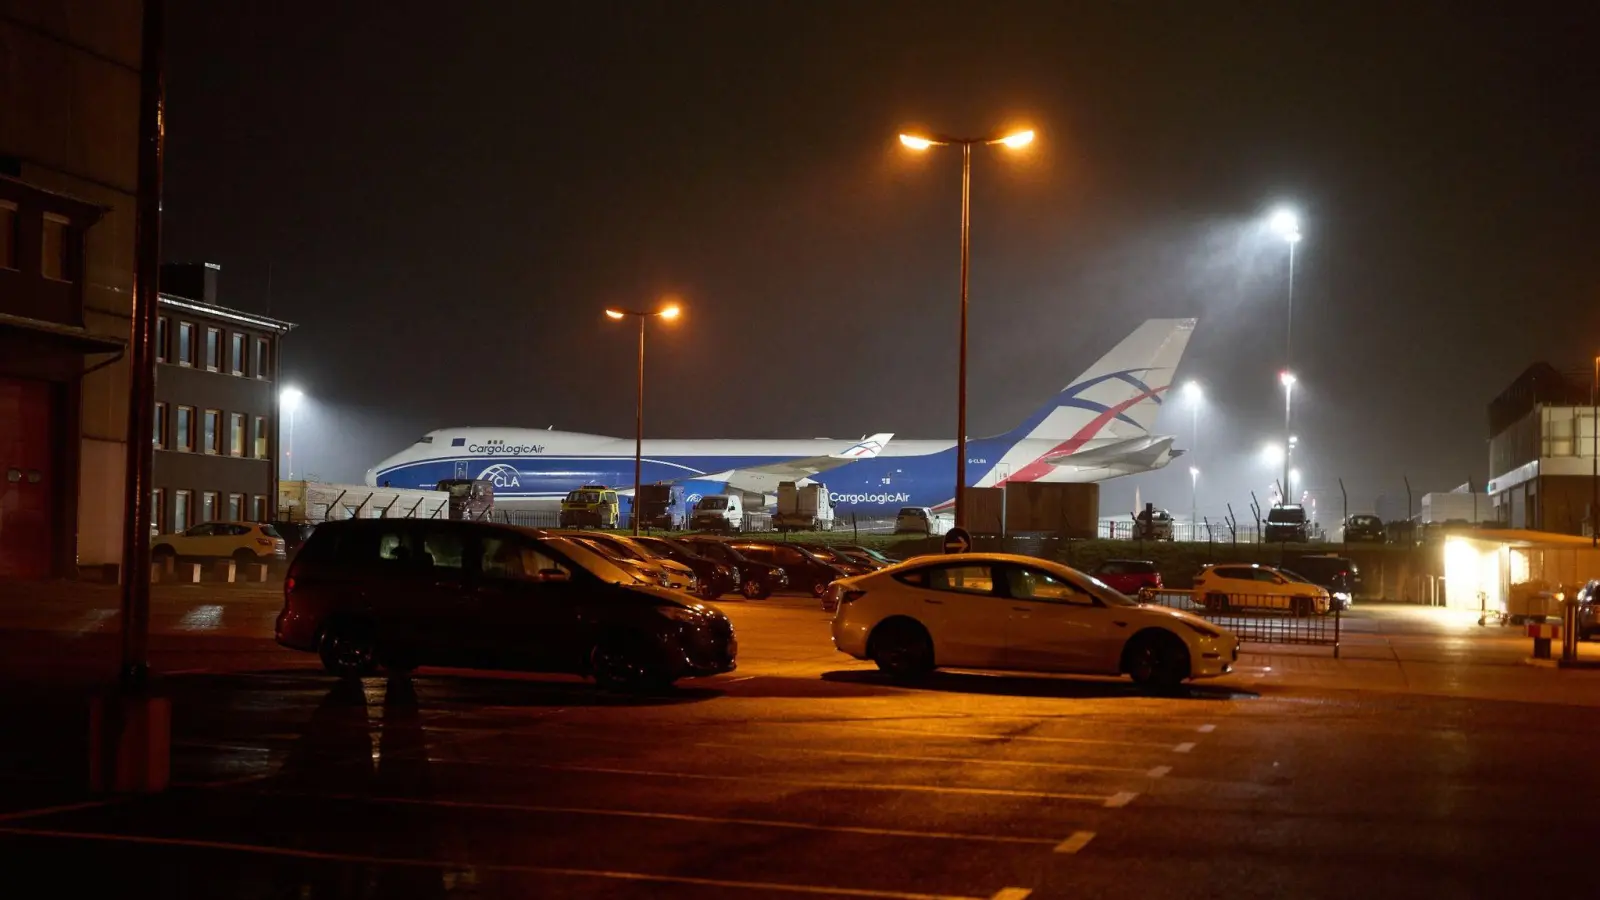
{"points": [[1260, 618]]}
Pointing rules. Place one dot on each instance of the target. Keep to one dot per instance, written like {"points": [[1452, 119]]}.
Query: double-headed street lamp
{"points": [[669, 312], [917, 142]]}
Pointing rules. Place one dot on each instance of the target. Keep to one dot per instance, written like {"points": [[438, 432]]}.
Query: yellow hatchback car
{"points": [[1229, 586]]}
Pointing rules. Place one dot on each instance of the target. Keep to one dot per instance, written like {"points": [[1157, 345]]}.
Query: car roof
{"points": [[1142, 562]]}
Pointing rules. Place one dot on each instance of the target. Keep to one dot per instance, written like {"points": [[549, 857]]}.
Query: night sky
{"points": [[445, 197]]}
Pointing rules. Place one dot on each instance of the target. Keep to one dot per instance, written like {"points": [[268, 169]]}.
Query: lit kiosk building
{"points": [[216, 416]]}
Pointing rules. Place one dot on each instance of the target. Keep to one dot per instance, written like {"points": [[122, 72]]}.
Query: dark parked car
{"points": [[400, 593], [757, 580], [1364, 529], [1129, 576], [1338, 574], [834, 556], [806, 571], [714, 578], [866, 554], [1589, 611], [1287, 524]]}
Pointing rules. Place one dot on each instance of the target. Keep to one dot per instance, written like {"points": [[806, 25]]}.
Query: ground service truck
{"points": [[803, 507]]}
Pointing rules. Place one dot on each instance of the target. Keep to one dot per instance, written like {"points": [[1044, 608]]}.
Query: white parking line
{"points": [[1076, 842], [679, 817], [1206, 729], [984, 737], [802, 782], [758, 750], [52, 810], [1159, 772], [408, 862], [1119, 800], [1184, 747]]}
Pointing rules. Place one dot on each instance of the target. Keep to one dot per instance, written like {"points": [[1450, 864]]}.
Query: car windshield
{"points": [[913, 512], [714, 503], [1105, 593], [593, 562], [1292, 515], [619, 548], [584, 497], [656, 547]]}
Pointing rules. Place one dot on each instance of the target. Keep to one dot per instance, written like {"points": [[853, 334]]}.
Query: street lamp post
{"points": [[1287, 226], [671, 311], [289, 401], [1194, 505], [1287, 380], [915, 142]]}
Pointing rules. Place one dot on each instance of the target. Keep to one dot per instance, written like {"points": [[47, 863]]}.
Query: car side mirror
{"points": [[548, 575]]}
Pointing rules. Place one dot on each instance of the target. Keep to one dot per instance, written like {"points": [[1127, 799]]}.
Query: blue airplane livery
{"points": [[1098, 427]]}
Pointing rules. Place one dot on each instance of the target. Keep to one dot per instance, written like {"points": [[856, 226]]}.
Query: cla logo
{"points": [[692, 499], [501, 476]]}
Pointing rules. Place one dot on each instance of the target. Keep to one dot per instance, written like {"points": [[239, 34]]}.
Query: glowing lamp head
{"points": [[671, 312], [1272, 454], [1285, 224], [1286, 379], [614, 314], [1294, 476], [1194, 471], [289, 398], [1192, 392], [913, 142], [1020, 139]]}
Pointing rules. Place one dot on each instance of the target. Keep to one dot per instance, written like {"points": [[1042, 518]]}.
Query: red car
{"points": [[1129, 576]]}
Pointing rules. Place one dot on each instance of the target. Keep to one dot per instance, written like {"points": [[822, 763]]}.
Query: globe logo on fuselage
{"points": [[501, 476]]}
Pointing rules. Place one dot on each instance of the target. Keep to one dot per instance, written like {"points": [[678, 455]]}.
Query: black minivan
{"points": [[1339, 574], [402, 593]]}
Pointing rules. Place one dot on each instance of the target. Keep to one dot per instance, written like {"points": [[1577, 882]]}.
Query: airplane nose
{"points": [[372, 477]]}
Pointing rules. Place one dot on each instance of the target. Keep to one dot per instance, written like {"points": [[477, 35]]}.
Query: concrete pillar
{"points": [[224, 570], [255, 573], [186, 573], [130, 743]]}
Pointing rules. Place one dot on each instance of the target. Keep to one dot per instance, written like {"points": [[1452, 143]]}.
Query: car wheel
{"points": [[347, 650], [708, 591], [163, 555], [1156, 659], [820, 589], [902, 649], [627, 663], [242, 558], [754, 589]]}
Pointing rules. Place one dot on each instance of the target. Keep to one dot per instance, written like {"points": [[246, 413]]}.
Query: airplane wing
{"points": [[764, 479]]}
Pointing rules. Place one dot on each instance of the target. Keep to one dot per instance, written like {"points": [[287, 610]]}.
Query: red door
{"points": [[27, 486]]}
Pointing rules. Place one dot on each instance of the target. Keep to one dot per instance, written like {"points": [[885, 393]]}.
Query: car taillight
{"points": [[288, 585], [851, 596], [265, 542]]}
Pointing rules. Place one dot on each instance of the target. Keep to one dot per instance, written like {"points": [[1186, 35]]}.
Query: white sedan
{"points": [[999, 611]]}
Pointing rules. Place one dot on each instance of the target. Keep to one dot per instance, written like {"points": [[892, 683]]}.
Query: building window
{"points": [[235, 434], [213, 349], [185, 344], [158, 438], [261, 437], [263, 359], [235, 507], [184, 439], [259, 508], [54, 264], [208, 506], [180, 512], [236, 358], [158, 509], [8, 235], [211, 433], [161, 339]]}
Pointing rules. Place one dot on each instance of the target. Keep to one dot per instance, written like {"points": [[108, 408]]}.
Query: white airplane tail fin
{"points": [[1120, 394]]}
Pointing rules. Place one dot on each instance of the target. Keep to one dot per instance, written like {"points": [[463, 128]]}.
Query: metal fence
{"points": [[1258, 618]]}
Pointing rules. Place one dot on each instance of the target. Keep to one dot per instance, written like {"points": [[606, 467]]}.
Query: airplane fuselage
{"points": [[537, 468]]}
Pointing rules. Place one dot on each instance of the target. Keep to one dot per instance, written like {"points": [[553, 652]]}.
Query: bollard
{"points": [[1569, 631], [156, 571], [255, 573], [224, 570], [1542, 634], [187, 573]]}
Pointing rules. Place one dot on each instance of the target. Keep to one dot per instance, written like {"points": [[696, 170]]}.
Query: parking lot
{"points": [[802, 773]]}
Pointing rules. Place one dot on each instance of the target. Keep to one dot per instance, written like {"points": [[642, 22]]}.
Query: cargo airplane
{"points": [[1098, 427]]}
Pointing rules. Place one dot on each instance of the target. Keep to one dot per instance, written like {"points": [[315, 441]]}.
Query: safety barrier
{"points": [[1259, 618]]}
